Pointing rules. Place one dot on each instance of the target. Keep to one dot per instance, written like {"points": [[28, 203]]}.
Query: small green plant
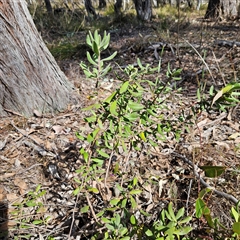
{"points": [[131, 119], [170, 226], [235, 211], [97, 45], [202, 210], [227, 96], [132, 115], [33, 200]]}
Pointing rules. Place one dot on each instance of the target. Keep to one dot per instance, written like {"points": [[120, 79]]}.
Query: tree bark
{"points": [[223, 9], [143, 9], [30, 78]]}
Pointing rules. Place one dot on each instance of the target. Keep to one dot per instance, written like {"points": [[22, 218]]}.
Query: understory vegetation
{"points": [[150, 163]]}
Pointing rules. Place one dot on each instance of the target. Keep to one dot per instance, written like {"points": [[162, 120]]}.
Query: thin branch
{"points": [[219, 193]]}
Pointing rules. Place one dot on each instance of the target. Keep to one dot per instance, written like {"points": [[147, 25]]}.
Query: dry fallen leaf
{"points": [[11, 197], [6, 175], [21, 184], [58, 129]]}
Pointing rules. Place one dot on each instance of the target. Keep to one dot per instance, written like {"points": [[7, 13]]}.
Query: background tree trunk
{"points": [[222, 8], [30, 78], [117, 7], [102, 4], [89, 7], [48, 6], [143, 9]]}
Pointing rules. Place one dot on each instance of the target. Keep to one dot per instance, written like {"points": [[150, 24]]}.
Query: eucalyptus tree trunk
{"points": [[223, 9], [30, 78]]}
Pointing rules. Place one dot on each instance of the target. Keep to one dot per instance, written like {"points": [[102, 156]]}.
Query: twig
{"points": [[38, 147], [107, 171], [33, 166], [188, 194], [24, 134], [219, 193], [73, 218], [202, 60], [15, 113], [91, 207]]}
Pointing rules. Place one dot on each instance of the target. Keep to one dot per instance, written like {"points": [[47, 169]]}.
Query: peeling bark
{"points": [[30, 78]]}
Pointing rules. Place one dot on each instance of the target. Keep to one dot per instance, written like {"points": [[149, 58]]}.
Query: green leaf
{"points": [[106, 70], [236, 227], [76, 191], [37, 222], [84, 154], [204, 191], [103, 154], [105, 220], [132, 116], [89, 41], [183, 231], [185, 220], [124, 87], [180, 213], [84, 209], [170, 232], [235, 214], [211, 90], [149, 233], [213, 171], [117, 219], [42, 193], [135, 180], [142, 136], [109, 99], [133, 202], [110, 57], [124, 203], [200, 205], [98, 161], [100, 213], [145, 213], [97, 37], [110, 227], [135, 106], [38, 187], [171, 212], [94, 190], [113, 108], [133, 220], [95, 47], [208, 218], [227, 89], [91, 119], [114, 201], [89, 58], [31, 203], [135, 191]]}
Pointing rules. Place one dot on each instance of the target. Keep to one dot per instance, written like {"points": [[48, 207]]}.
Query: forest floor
{"points": [[44, 149]]}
